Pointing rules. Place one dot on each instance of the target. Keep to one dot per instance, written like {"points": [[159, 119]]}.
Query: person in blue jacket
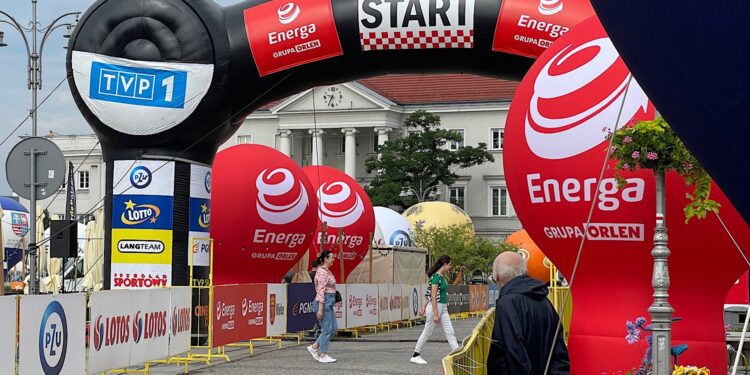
{"points": [[525, 324]]}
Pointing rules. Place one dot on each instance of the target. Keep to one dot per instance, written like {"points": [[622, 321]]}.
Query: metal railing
{"points": [[471, 358]]}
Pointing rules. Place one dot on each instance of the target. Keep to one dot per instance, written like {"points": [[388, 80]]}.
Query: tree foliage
{"points": [[420, 160]]}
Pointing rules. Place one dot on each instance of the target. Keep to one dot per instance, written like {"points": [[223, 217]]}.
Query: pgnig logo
{"points": [[140, 177], [53, 339]]}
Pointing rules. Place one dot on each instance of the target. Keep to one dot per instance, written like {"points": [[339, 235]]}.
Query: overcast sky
{"points": [[58, 114]]}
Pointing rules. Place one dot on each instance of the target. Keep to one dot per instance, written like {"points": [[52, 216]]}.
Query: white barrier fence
{"points": [[7, 334]]}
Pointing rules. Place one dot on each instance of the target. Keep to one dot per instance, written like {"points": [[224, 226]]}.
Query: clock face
{"points": [[333, 96]]}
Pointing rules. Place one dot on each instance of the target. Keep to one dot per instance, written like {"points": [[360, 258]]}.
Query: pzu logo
{"points": [[400, 238], [53, 339], [140, 177], [207, 181]]}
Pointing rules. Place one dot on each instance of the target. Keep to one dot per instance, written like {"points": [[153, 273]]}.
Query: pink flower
{"points": [[612, 149], [652, 156], [626, 166], [688, 166], [627, 139], [635, 155]]}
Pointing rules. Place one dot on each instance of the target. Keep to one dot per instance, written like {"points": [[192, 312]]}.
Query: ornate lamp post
{"points": [[660, 309], [423, 194]]}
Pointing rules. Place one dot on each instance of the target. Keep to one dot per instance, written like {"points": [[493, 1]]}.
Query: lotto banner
{"points": [[394, 312], [180, 299], [384, 303], [150, 338], [225, 314], [300, 301], [7, 334], [111, 331], [252, 311], [52, 339], [340, 309], [362, 305], [277, 309]]}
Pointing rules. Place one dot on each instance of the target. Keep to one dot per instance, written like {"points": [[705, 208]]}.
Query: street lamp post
{"points": [[422, 194], [34, 83]]}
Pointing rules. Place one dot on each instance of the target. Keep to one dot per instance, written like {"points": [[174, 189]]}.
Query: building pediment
{"points": [[345, 97]]}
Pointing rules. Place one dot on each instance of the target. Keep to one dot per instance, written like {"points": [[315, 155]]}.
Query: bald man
{"points": [[525, 323]]}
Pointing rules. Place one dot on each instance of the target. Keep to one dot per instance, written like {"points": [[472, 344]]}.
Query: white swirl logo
{"points": [[279, 214], [550, 7], [553, 137], [288, 13], [343, 218]]}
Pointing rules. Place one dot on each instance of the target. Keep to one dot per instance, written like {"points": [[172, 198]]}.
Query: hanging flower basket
{"points": [[653, 145]]}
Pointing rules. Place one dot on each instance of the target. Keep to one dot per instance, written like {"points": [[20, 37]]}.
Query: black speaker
{"points": [[63, 239]]}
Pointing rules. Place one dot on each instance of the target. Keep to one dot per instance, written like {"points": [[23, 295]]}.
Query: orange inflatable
{"points": [[537, 261]]}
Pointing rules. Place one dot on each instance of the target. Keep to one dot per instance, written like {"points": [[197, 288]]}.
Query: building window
{"points": [[342, 145], [498, 201], [375, 143], [457, 196], [307, 146], [83, 179], [244, 139], [497, 135], [456, 145]]}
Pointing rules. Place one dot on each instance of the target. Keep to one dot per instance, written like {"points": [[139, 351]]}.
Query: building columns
{"points": [[317, 146], [350, 152], [285, 142], [382, 135]]}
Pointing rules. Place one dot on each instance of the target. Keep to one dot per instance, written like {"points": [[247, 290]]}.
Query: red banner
{"points": [[555, 149], [263, 214], [343, 205], [528, 28], [252, 311], [284, 34], [225, 315]]}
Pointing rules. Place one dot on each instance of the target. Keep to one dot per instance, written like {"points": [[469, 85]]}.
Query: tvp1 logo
{"points": [[53, 339], [138, 86]]}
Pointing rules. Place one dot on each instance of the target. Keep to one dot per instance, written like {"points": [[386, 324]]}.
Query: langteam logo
{"points": [[140, 246], [53, 339], [282, 199], [550, 7], [340, 207], [140, 177], [135, 214], [288, 13]]}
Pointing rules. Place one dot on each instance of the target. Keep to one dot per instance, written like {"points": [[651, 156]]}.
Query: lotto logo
{"points": [[138, 86]]}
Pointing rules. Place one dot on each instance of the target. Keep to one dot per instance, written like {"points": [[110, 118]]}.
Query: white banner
{"points": [[200, 181], [277, 310], [200, 214], [362, 305], [179, 332], [384, 310], [7, 334], [340, 308], [143, 177], [53, 340], [395, 305], [111, 330], [405, 302], [150, 338]]}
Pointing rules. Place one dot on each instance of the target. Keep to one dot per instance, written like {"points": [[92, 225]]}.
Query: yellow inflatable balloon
{"points": [[436, 214], [537, 262]]}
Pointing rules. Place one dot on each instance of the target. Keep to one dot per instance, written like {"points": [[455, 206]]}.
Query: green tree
{"points": [[420, 160]]}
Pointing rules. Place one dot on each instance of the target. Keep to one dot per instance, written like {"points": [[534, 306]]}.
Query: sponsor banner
{"points": [[53, 340], [394, 312], [141, 276], [251, 322], [143, 177], [139, 97], [395, 229], [226, 314], [277, 310], [200, 214], [284, 34], [454, 299], [201, 247], [384, 303], [111, 330], [416, 24], [140, 246], [180, 306], [465, 298], [739, 293], [8, 334], [200, 181], [528, 28], [150, 325], [200, 318], [484, 291], [362, 305], [142, 212], [406, 302], [340, 309], [301, 298]]}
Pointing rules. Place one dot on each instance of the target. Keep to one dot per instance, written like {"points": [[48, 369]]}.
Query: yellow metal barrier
{"points": [[472, 357], [562, 300]]}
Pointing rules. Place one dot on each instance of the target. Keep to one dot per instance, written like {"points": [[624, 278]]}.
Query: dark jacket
{"points": [[525, 324]]}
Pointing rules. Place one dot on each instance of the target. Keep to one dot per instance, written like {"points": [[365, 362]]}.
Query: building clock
{"points": [[332, 97]]}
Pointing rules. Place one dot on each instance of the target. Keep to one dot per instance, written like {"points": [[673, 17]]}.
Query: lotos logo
{"points": [[140, 177], [578, 93], [339, 206], [550, 7], [135, 214], [400, 238], [281, 198], [288, 13], [98, 335], [137, 327], [111, 331], [180, 320], [53, 339]]}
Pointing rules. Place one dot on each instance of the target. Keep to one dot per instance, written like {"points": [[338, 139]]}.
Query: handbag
{"points": [[338, 297]]}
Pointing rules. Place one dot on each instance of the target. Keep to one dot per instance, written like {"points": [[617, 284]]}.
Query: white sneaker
{"points": [[313, 353], [326, 359], [418, 360]]}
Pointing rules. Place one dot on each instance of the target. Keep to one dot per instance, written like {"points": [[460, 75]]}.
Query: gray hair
{"points": [[506, 271]]}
